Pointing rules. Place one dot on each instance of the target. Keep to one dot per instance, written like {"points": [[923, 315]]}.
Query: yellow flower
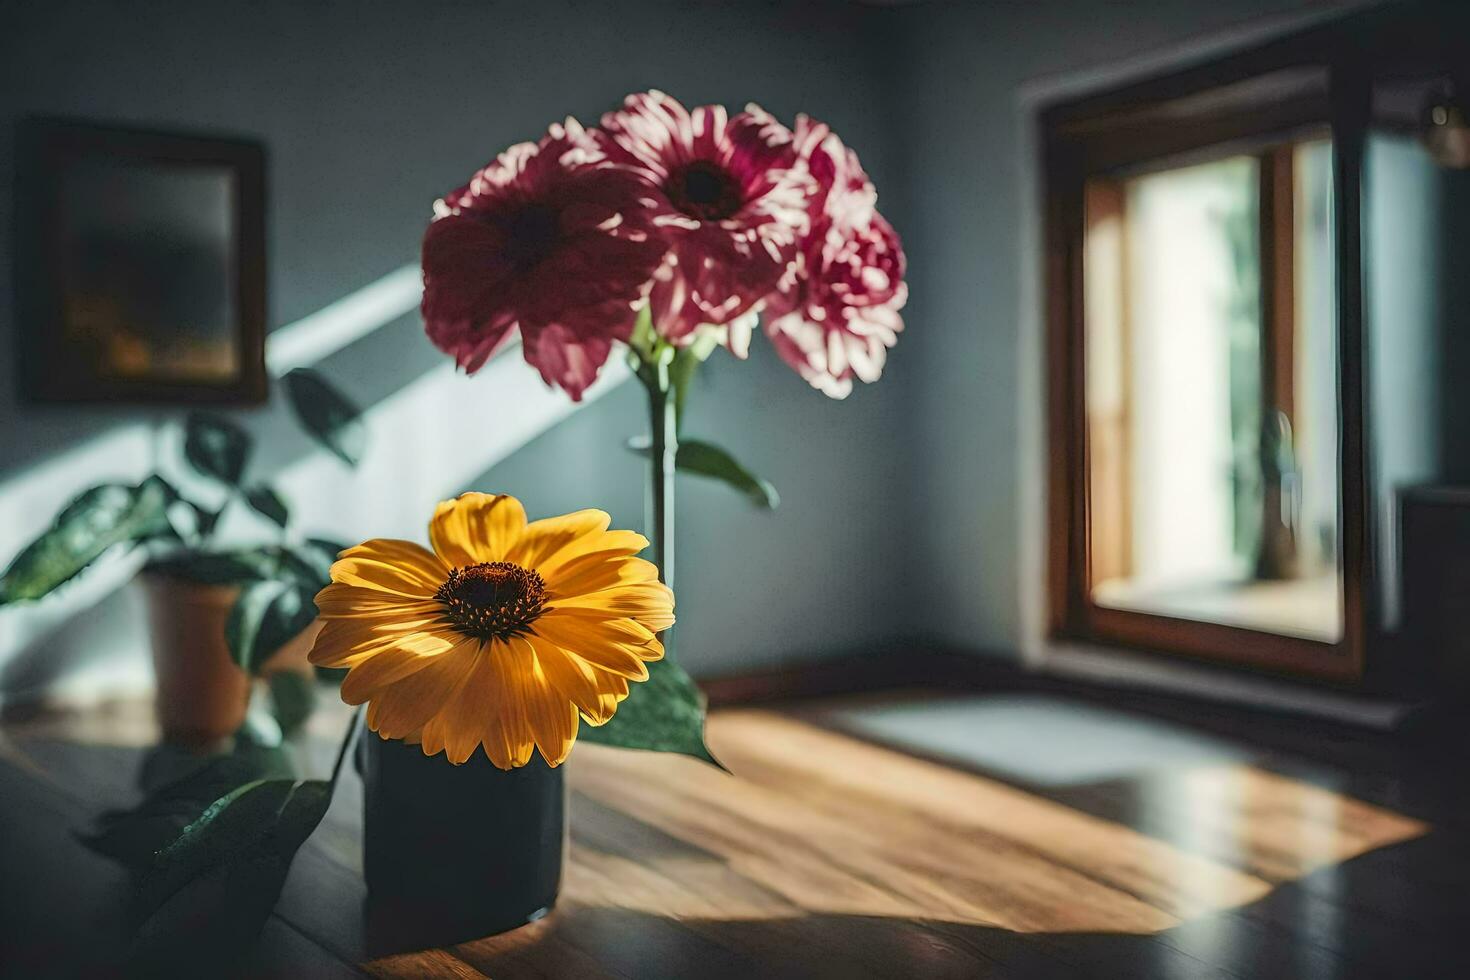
{"points": [[501, 636]]}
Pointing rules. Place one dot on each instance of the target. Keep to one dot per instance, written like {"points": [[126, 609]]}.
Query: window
{"points": [[1209, 333], [1205, 405]]}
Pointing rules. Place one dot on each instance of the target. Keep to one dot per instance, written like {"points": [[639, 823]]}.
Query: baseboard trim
{"points": [[1094, 673], [829, 677], [1117, 669]]}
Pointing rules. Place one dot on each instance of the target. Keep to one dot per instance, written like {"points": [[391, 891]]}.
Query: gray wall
{"points": [[1419, 354]]}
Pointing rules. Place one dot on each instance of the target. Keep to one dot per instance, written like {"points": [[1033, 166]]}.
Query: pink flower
{"points": [[835, 315], [550, 238], [735, 202]]}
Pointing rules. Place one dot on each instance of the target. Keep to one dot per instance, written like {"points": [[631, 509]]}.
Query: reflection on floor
{"points": [[1309, 607]]}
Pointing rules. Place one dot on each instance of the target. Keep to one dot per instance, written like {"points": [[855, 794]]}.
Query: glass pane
{"points": [[1212, 420]]}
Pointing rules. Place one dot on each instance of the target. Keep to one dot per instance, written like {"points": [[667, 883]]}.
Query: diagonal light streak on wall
{"points": [[427, 441], [413, 460]]}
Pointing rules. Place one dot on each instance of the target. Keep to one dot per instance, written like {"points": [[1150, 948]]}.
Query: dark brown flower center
{"points": [[492, 600], [705, 190], [531, 234]]}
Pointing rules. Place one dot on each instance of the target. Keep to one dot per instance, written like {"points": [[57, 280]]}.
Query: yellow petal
{"points": [[338, 639], [552, 716], [459, 729], [391, 661], [650, 603], [543, 542], [599, 623], [476, 527], [344, 640], [509, 740], [598, 646], [407, 705], [391, 566], [597, 571], [621, 544], [338, 601], [596, 693]]}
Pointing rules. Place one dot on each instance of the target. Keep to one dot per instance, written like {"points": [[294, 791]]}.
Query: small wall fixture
{"points": [[1444, 127]]}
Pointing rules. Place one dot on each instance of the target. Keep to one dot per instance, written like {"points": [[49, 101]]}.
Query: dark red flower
{"points": [[552, 239], [735, 202], [835, 314]]}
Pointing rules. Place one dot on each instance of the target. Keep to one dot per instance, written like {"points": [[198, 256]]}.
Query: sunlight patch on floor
{"points": [[826, 824]]}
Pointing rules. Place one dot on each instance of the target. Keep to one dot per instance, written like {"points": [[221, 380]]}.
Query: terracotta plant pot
{"points": [[201, 693]]}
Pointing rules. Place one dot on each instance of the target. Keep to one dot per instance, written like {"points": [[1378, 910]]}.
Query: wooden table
{"points": [[825, 855]]}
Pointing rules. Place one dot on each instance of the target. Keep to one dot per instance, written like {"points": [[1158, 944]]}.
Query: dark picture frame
{"points": [[139, 266]]}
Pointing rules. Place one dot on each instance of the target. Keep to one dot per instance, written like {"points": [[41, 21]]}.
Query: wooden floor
{"points": [[1034, 833]]}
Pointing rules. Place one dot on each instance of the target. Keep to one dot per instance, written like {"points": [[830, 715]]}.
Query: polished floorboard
{"points": [[1022, 831]]}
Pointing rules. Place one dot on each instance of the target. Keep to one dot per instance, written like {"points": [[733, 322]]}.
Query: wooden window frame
{"points": [[1250, 100]]}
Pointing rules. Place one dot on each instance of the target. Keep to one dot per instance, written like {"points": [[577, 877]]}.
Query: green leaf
{"points": [[209, 890], [132, 837], [327, 415], [216, 447], [708, 460], [219, 567], [215, 918], [205, 520], [213, 887], [293, 696], [304, 809], [265, 616], [269, 504], [97, 520], [310, 563], [699, 458], [229, 825], [663, 714]]}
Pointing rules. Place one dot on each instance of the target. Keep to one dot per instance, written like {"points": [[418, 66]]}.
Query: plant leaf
{"points": [[327, 415], [268, 503], [216, 447], [293, 696], [663, 714], [264, 617], [705, 459], [708, 460], [97, 520], [310, 562], [213, 887], [205, 520], [219, 567], [132, 837], [699, 458], [228, 826], [213, 918]]}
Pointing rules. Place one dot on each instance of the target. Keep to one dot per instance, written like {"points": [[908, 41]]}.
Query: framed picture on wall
{"points": [[140, 266]]}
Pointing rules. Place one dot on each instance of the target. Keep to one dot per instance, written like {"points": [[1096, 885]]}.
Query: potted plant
{"points": [[219, 615]]}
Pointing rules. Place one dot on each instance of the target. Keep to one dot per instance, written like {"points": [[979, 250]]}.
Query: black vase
{"points": [[454, 853]]}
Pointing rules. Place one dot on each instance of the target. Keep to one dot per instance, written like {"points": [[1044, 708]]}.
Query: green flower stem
{"points": [[663, 448], [347, 739]]}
